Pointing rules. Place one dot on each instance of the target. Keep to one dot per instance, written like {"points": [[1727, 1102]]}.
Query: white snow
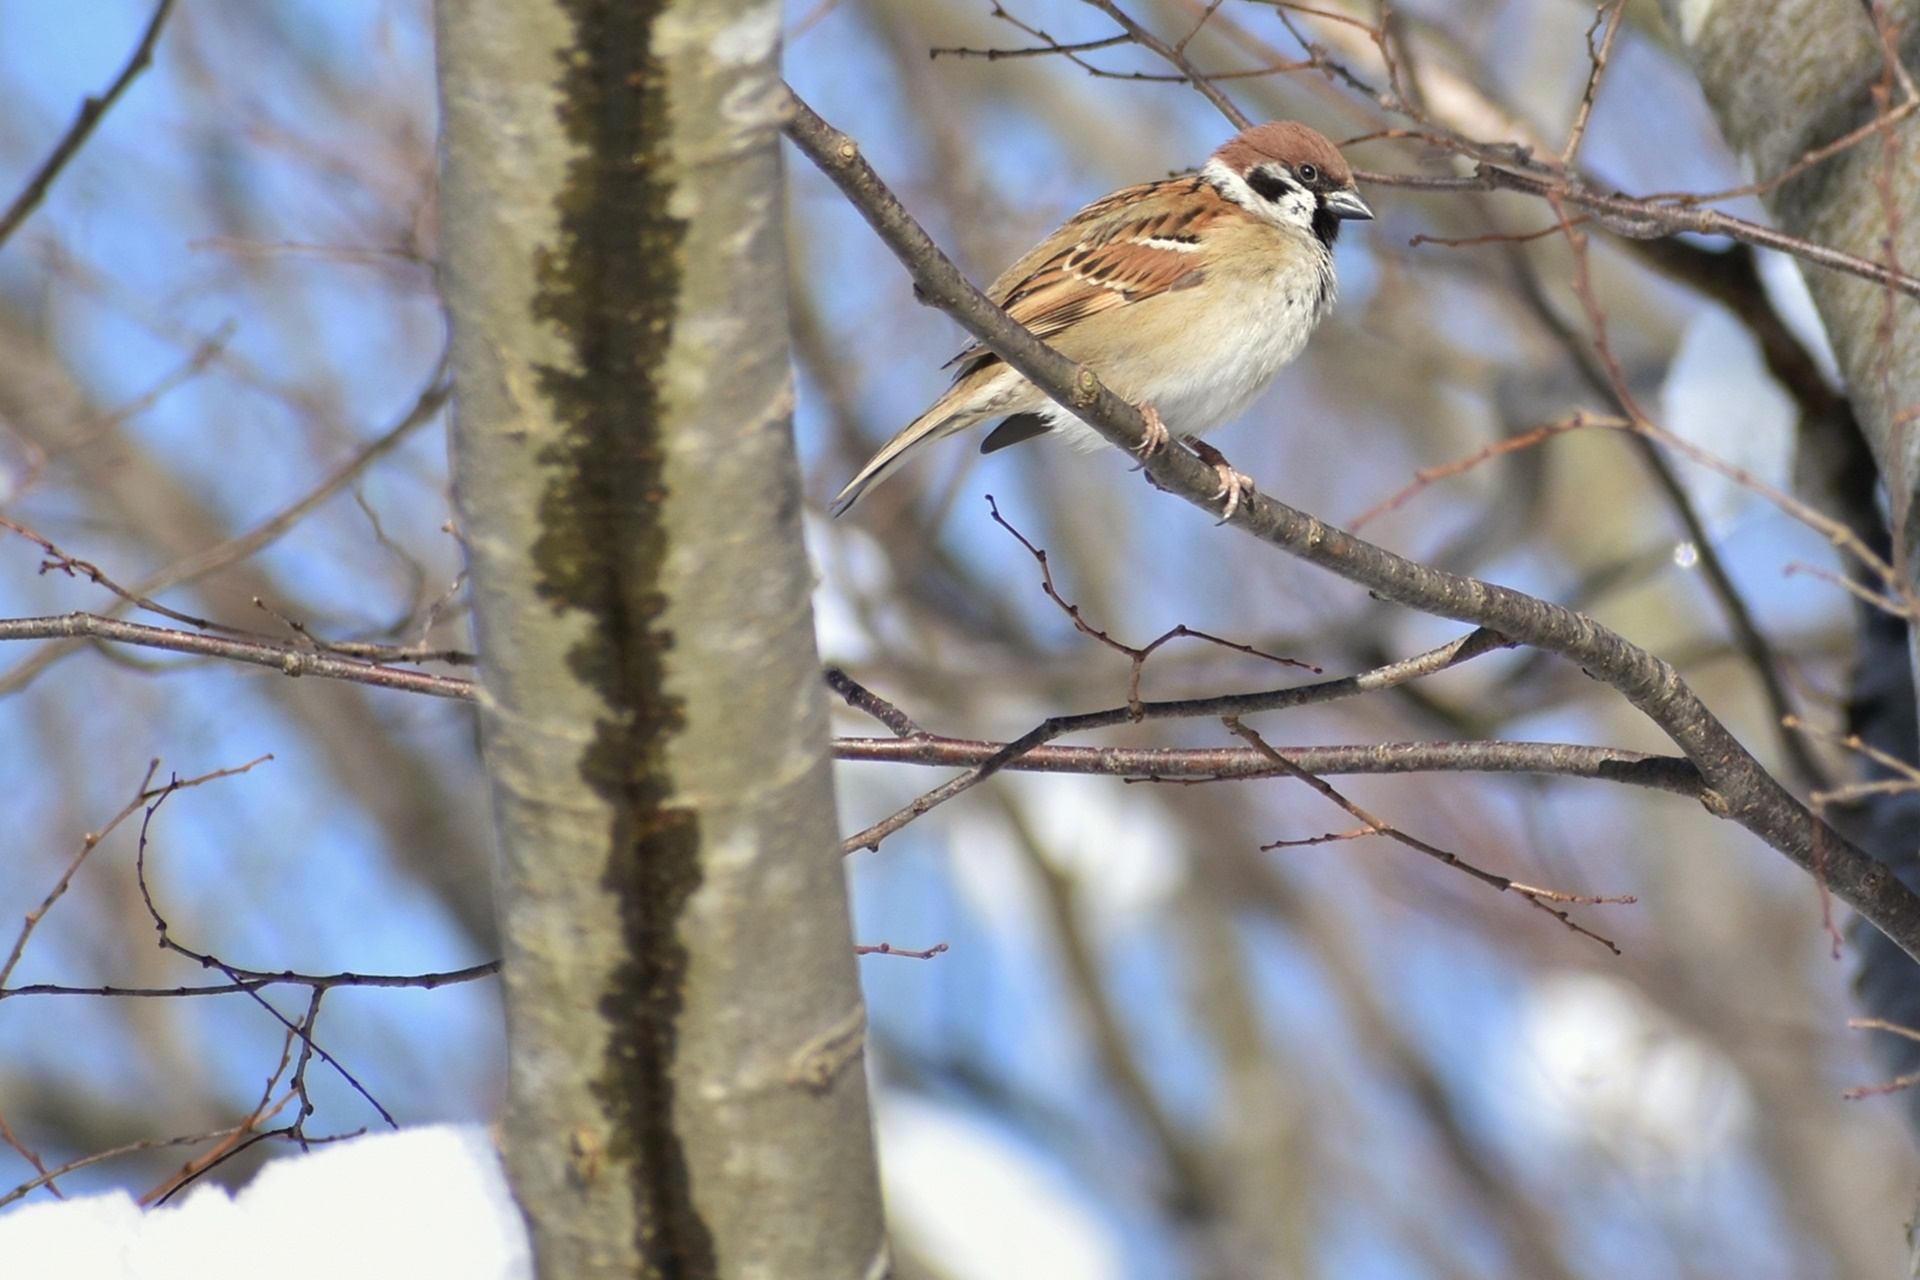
{"points": [[421, 1204], [1598, 1065], [978, 1206]]}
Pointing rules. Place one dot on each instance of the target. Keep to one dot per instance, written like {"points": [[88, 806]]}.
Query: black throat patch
{"points": [[1326, 225]]}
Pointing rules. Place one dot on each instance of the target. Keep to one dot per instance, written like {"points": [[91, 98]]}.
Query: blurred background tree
{"points": [[1152, 1048]]}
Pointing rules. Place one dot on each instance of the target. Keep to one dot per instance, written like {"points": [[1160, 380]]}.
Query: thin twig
{"points": [[888, 949], [1898, 1083], [208, 960], [262, 535], [1640, 218], [265, 1109], [247, 981], [1052, 48], [1535, 896], [91, 840], [1462, 650], [1597, 59], [285, 657], [31, 1156], [1672, 774], [1175, 58], [114, 1153], [861, 698], [92, 111], [1514, 444], [1137, 655]]}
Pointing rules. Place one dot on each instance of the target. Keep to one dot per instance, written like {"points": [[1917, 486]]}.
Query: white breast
{"points": [[1249, 330]]}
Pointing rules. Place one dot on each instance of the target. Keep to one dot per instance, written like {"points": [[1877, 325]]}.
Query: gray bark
{"points": [[686, 1087], [1785, 77]]}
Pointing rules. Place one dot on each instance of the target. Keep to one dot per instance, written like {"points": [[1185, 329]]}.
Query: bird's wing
{"points": [[1135, 244]]}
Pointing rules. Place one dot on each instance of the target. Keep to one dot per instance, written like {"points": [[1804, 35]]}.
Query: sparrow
{"points": [[1185, 296]]}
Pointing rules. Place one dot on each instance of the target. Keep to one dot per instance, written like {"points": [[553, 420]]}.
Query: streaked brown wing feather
{"points": [[1135, 244]]}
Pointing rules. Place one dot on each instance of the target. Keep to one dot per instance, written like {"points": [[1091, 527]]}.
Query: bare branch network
{"points": [[1734, 784], [1714, 768], [1709, 766], [286, 1086]]}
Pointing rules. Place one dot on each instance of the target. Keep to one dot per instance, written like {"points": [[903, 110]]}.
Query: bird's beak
{"points": [[1347, 204]]}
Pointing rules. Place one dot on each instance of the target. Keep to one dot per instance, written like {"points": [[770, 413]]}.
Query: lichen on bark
{"points": [[610, 286]]}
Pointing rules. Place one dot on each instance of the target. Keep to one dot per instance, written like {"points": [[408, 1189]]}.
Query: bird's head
{"points": [[1291, 175]]}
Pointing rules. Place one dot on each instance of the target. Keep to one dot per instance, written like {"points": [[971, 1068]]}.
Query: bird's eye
{"points": [[1308, 173]]}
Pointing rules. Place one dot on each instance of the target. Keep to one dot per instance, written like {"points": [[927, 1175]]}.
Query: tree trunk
{"points": [[687, 1096], [1785, 77]]}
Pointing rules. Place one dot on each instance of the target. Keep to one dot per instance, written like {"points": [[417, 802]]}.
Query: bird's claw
{"points": [[1157, 434], [1233, 484]]}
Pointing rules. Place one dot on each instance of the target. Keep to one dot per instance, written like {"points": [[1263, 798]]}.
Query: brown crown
{"points": [[1289, 143]]}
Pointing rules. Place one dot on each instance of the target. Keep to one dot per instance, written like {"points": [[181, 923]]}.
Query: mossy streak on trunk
{"points": [[610, 287]]}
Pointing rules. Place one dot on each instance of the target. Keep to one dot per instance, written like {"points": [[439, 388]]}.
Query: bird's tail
{"points": [[941, 420]]}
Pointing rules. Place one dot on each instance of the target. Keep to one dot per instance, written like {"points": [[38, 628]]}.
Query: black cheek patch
{"points": [[1267, 184]]}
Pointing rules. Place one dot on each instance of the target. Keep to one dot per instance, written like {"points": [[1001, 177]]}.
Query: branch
{"points": [[302, 1029], [1739, 788], [1176, 58], [142, 794], [114, 1153], [247, 981], [1224, 764], [290, 659], [211, 559], [1642, 219], [1449, 655], [1514, 168], [1594, 363], [1539, 898]]}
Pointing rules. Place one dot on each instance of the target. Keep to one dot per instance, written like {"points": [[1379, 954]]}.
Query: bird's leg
{"points": [[1232, 483], [1157, 435]]}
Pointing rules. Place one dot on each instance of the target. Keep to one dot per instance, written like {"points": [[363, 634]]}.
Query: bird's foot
{"points": [[1157, 434], [1233, 484]]}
